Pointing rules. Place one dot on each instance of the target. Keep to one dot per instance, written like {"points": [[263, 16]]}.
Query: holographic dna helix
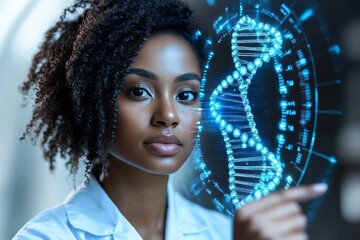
{"points": [[264, 97], [254, 171]]}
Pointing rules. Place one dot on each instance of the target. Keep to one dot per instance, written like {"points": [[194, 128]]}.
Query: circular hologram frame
{"points": [[261, 101]]}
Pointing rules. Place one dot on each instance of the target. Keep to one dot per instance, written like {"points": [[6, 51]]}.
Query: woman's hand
{"points": [[277, 216]]}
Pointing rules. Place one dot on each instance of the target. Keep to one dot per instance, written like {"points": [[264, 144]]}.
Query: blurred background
{"points": [[27, 187]]}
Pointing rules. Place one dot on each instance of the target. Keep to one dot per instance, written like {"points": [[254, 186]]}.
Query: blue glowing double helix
{"points": [[254, 170]]}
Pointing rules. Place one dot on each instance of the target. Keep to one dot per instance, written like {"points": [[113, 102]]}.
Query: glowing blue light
{"points": [[335, 49], [236, 75], [229, 128], [244, 137], [251, 66], [230, 79], [250, 140], [307, 14], [266, 57], [243, 70], [224, 84], [258, 62], [236, 133]]}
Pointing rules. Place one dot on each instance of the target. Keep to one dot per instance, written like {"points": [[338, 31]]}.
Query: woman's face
{"points": [[159, 107]]}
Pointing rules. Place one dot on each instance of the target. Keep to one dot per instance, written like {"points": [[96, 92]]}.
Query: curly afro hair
{"points": [[78, 72]]}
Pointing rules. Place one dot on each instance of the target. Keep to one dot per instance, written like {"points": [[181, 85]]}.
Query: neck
{"points": [[140, 196]]}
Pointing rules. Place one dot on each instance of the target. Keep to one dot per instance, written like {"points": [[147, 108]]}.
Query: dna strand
{"points": [[254, 171]]}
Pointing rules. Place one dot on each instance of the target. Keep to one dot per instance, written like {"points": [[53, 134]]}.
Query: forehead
{"points": [[167, 52]]}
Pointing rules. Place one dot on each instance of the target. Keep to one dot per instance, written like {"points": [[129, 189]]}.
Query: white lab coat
{"points": [[88, 213]]}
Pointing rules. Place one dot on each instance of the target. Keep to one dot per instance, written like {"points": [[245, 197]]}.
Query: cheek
{"points": [[129, 123], [191, 120]]}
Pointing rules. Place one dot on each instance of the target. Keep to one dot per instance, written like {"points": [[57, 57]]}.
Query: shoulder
{"points": [[86, 212], [47, 224]]}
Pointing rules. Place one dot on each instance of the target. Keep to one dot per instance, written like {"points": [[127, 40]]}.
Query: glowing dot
{"points": [[218, 119], [271, 186], [257, 194], [249, 115], [289, 178], [251, 142], [219, 88], [233, 194], [229, 128], [244, 137], [236, 133], [251, 66], [258, 62], [245, 101], [230, 79], [211, 2], [265, 151], [236, 203], [259, 147], [267, 26], [234, 54], [222, 123], [266, 58], [242, 20], [243, 70], [231, 180], [265, 192], [224, 84], [272, 52], [236, 75]]}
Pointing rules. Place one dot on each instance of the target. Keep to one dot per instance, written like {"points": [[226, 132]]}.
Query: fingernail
{"points": [[320, 187]]}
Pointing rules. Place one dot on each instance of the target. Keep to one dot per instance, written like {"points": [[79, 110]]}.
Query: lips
{"points": [[163, 145]]}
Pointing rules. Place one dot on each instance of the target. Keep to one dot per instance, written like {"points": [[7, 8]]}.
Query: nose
{"points": [[165, 114]]}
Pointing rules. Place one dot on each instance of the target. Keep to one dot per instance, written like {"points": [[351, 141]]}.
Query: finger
{"points": [[295, 236], [298, 194], [284, 227], [304, 193], [281, 211], [288, 226]]}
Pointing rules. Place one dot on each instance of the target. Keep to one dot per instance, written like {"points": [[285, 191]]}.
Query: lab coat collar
{"points": [[90, 209], [181, 219]]}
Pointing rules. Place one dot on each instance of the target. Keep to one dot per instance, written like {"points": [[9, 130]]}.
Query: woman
{"points": [[118, 86]]}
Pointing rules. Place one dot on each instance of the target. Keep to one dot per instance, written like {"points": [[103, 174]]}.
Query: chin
{"points": [[164, 167]]}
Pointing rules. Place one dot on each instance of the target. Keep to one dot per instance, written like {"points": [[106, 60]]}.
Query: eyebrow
{"points": [[147, 74]]}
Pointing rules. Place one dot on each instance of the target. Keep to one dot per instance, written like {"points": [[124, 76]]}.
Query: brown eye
{"points": [[186, 96], [138, 92]]}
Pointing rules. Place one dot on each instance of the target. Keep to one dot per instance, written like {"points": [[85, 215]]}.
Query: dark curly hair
{"points": [[78, 72]]}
